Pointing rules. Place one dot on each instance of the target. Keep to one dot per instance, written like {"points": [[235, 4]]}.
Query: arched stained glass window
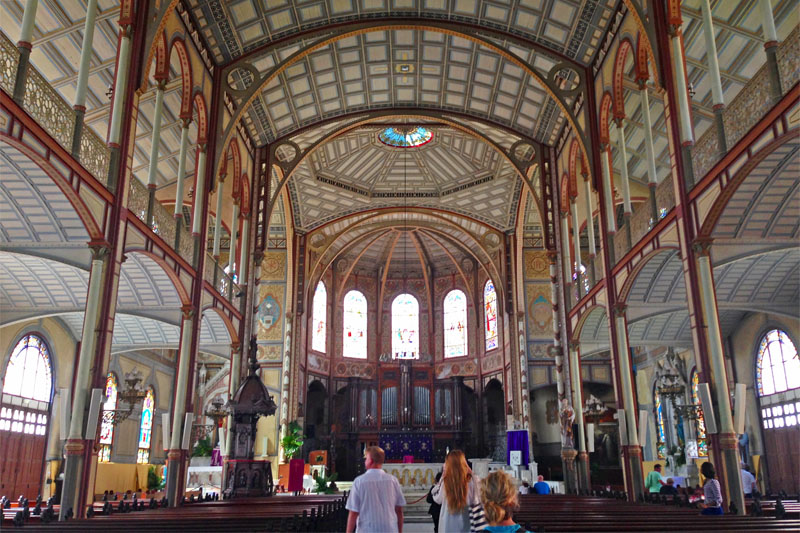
{"points": [[700, 423], [777, 364], [107, 427], [354, 343], [490, 315], [29, 374], [146, 427], [661, 434], [320, 318], [27, 388], [455, 324], [405, 136], [405, 327]]}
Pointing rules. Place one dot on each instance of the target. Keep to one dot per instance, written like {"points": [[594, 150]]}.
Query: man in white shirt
{"points": [[748, 481], [376, 500]]}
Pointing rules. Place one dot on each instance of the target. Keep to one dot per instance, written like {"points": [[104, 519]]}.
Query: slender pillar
{"points": [[178, 212], [76, 443], [24, 45], [218, 217], [152, 170], [566, 256], [584, 481], [83, 76], [728, 441], [587, 189], [243, 255], [234, 234], [770, 47], [685, 115], [576, 239], [632, 452], [626, 186], [713, 71], [608, 197], [176, 454], [652, 176], [199, 192], [117, 106]]}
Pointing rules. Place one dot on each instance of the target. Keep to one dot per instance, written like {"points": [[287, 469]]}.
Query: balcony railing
{"points": [[52, 113], [221, 281], [749, 106], [164, 223]]}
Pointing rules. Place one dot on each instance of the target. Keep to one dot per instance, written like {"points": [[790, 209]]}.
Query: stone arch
{"points": [[578, 329], [183, 294], [605, 117], [643, 54], [718, 208], [625, 290], [202, 117], [179, 46], [625, 46], [77, 203], [162, 59]]}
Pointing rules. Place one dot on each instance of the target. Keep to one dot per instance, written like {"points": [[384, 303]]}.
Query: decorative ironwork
{"points": [[94, 155], [48, 108], [9, 58]]}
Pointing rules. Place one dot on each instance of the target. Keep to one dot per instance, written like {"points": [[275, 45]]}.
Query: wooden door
{"points": [[783, 458], [21, 464]]}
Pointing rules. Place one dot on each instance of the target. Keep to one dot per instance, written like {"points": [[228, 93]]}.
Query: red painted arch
{"points": [[605, 112], [186, 76], [183, 294], [227, 321], [625, 46]]}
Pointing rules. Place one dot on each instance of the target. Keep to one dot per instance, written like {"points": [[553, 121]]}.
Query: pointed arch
{"points": [[232, 332], [454, 310], [490, 315], [179, 46], [405, 327], [605, 116], [618, 77], [202, 117], [642, 57], [162, 59], [146, 426], [107, 426], [244, 204], [564, 194], [319, 318], [183, 294], [354, 325]]}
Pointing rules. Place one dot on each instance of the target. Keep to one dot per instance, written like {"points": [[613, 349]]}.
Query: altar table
{"points": [[414, 476]]}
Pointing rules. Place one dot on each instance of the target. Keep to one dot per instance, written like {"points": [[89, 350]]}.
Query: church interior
{"points": [[568, 228]]}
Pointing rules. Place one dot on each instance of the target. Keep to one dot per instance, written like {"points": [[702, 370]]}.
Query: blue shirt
{"points": [[540, 487], [516, 528]]}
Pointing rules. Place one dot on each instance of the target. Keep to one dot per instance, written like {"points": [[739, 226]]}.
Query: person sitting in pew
{"points": [[711, 491], [669, 489], [499, 499], [540, 487]]}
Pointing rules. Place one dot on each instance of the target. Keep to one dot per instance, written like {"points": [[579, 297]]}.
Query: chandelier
{"points": [[594, 408], [216, 413], [131, 395]]}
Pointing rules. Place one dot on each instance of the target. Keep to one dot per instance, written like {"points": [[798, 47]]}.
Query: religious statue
{"points": [[567, 415]]}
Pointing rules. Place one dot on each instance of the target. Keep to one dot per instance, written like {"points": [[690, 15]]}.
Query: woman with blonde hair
{"points": [[455, 492], [499, 499]]}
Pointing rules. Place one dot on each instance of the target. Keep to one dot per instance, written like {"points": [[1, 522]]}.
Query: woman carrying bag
{"points": [[458, 494]]}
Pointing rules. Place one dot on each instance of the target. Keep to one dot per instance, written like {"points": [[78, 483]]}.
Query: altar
{"points": [[414, 476]]}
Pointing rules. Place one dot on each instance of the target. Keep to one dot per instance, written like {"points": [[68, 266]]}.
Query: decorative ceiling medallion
{"points": [[405, 136]]}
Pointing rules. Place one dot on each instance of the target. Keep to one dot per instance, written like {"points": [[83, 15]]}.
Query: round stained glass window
{"points": [[405, 137]]}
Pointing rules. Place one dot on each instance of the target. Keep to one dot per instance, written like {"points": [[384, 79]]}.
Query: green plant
{"points": [[153, 478], [324, 483], [202, 448], [292, 442], [679, 453]]}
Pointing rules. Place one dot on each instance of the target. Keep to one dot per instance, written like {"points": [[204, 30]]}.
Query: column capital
{"points": [[161, 83], [186, 122], [235, 345], [187, 311], [552, 256], [575, 346], [99, 249], [619, 120], [702, 245], [201, 147], [619, 309], [641, 82]]}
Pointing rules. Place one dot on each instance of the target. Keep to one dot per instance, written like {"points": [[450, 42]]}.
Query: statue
{"points": [[567, 415]]}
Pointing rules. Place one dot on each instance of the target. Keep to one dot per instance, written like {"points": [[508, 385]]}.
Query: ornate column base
{"points": [[632, 455], [176, 466], [73, 471], [584, 479], [570, 475], [729, 472]]}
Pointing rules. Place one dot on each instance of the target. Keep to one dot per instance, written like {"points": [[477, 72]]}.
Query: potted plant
{"points": [[201, 453], [154, 481], [292, 441]]}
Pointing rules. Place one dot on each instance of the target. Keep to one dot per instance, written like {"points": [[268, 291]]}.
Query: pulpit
{"points": [[245, 476]]}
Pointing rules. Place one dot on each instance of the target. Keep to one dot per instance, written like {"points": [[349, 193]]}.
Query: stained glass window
{"points": [[700, 423], [107, 428], [28, 374], [405, 327], [777, 365], [354, 324], [26, 388], [405, 137], [455, 324], [661, 444], [320, 318], [146, 427], [490, 315]]}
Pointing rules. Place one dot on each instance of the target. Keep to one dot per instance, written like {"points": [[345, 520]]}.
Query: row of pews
{"points": [[612, 512], [279, 513]]}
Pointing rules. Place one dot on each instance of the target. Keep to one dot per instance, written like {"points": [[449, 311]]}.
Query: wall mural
{"points": [[540, 311]]}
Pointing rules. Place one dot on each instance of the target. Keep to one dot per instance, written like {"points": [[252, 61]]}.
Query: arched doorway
{"points": [[25, 417], [495, 420], [777, 380], [316, 431]]}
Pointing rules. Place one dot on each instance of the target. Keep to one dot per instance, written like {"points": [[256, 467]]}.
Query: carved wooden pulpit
{"points": [[245, 476]]}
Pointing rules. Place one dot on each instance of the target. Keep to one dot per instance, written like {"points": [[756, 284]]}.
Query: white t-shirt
{"points": [[748, 480], [374, 496]]}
